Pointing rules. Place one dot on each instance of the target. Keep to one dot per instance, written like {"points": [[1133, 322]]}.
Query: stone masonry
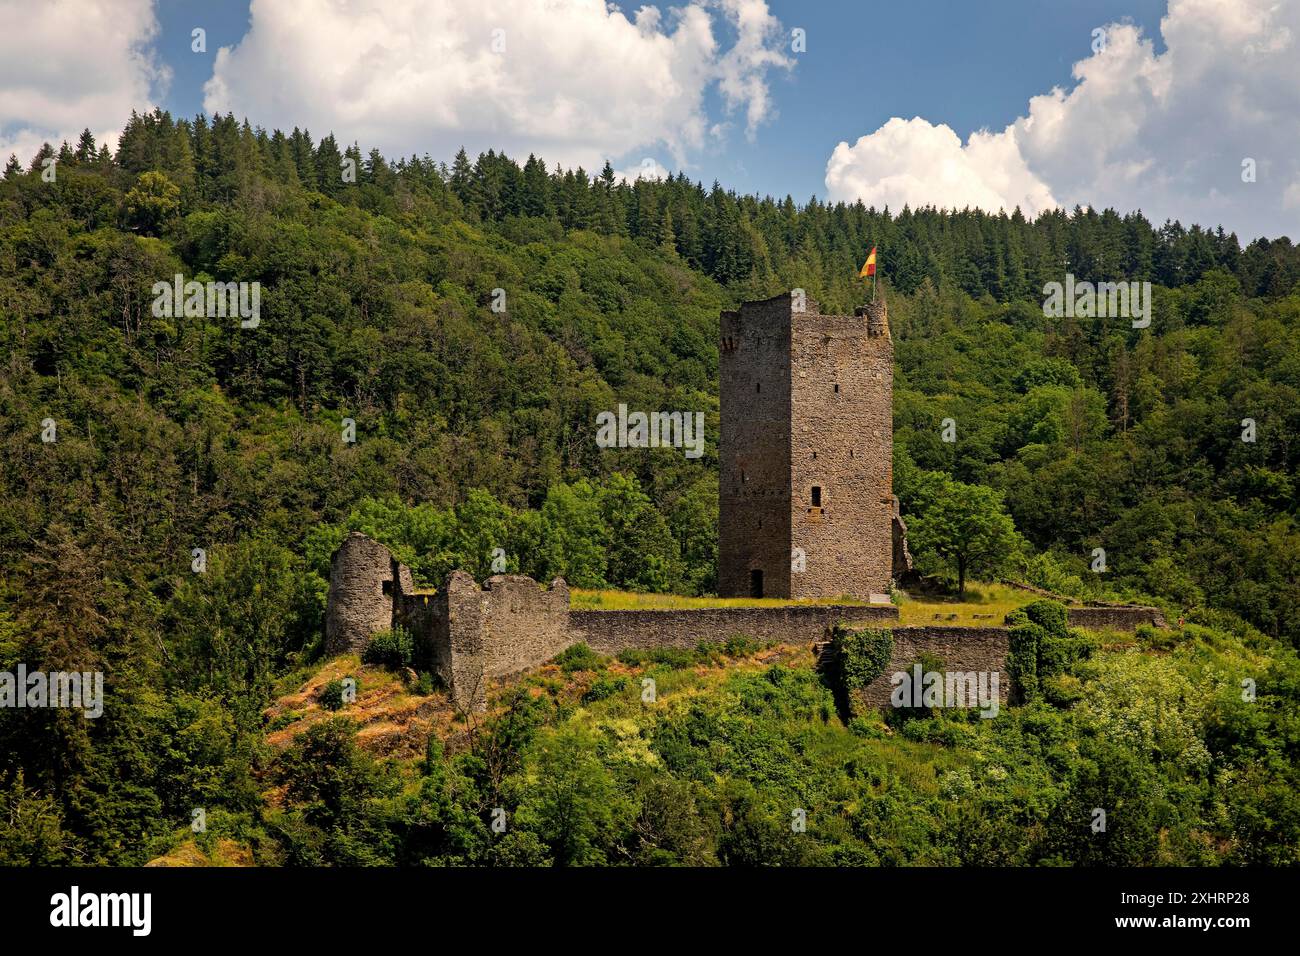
{"points": [[806, 452]]}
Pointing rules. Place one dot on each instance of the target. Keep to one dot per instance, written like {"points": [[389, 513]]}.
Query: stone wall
{"points": [[959, 648], [841, 452], [754, 449], [469, 633], [612, 631], [1112, 618]]}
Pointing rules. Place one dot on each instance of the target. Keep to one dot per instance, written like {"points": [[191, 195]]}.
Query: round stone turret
{"points": [[364, 579]]}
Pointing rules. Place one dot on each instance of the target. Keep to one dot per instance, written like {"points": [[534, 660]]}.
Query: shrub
{"points": [[604, 687], [579, 657], [426, 684], [861, 655], [1022, 659], [1059, 654], [331, 695], [1049, 615], [392, 649], [739, 645], [674, 658]]}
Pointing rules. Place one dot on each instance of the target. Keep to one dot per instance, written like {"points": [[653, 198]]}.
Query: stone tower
{"points": [[806, 451], [364, 582]]}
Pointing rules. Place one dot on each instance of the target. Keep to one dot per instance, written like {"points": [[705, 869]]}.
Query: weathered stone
{"points": [[363, 579], [612, 631], [806, 452]]}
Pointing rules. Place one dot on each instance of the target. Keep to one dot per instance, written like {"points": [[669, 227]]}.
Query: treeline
{"points": [[732, 238]]}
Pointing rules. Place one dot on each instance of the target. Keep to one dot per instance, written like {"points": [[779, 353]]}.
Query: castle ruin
{"points": [[806, 511]]}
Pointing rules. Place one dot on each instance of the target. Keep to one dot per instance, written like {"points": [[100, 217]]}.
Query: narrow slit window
{"points": [[837, 388], [817, 496]]}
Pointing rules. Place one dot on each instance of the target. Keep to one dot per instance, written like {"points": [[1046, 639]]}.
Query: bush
{"points": [[393, 649], [331, 695], [579, 657], [604, 687], [675, 658], [1049, 615], [1022, 659], [741, 646], [861, 655]]}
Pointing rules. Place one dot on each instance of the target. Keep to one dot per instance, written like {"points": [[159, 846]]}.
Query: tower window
{"points": [[756, 583], [388, 587], [758, 386], [817, 496], [837, 388], [814, 456]]}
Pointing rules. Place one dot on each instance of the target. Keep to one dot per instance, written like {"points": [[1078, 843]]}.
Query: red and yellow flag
{"points": [[869, 268]]}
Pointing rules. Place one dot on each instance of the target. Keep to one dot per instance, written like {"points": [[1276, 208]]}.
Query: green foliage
{"points": [[1042, 648], [393, 649], [861, 654], [1049, 615], [331, 695], [1025, 640], [475, 432], [962, 526], [604, 687], [579, 657]]}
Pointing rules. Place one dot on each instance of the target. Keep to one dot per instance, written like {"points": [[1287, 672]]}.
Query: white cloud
{"points": [[915, 163], [68, 65], [647, 168], [576, 82], [1163, 132]]}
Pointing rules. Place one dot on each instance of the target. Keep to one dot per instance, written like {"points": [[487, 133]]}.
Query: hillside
{"points": [[577, 768], [474, 431]]}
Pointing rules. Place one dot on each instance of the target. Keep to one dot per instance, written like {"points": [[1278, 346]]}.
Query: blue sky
{"points": [[976, 66], [1186, 109]]}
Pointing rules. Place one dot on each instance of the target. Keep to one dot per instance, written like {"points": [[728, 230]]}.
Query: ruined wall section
{"points": [[754, 448], [364, 579], [842, 503], [959, 648], [1114, 618], [523, 624]]}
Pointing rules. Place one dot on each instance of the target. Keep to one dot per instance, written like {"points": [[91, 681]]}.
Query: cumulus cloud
{"points": [[1163, 132], [916, 163], [575, 81], [68, 65]]}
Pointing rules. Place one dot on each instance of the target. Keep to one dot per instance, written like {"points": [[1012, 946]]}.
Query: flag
{"points": [[869, 268]]}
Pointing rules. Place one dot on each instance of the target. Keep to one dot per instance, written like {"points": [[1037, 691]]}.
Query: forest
{"points": [[474, 430]]}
